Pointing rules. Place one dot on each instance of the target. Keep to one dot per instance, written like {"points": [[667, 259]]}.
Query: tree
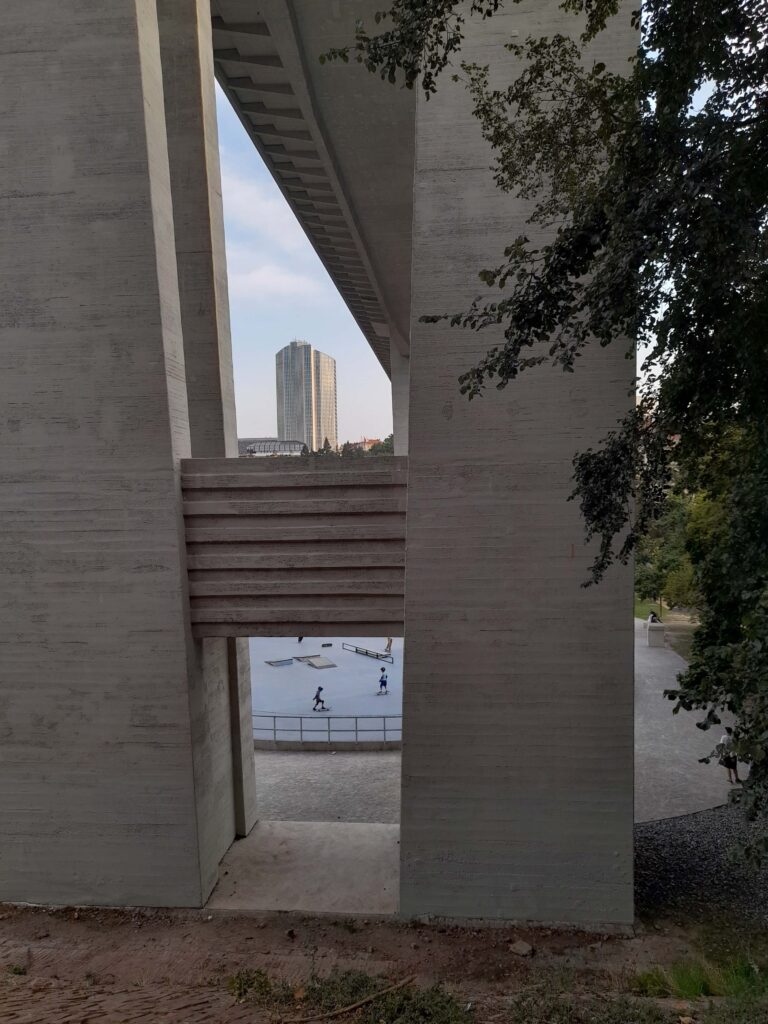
{"points": [[351, 451], [304, 450], [385, 447], [654, 184], [663, 566]]}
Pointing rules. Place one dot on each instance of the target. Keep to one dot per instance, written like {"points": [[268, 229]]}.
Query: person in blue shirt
{"points": [[383, 683]]}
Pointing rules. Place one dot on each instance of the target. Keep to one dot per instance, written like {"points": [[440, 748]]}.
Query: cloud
{"points": [[268, 255], [254, 279], [257, 209]]}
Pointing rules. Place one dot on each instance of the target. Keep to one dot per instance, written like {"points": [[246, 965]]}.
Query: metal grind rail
{"points": [[322, 728]]}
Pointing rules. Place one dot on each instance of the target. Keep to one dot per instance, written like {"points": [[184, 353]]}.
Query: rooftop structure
{"points": [[263, 446]]}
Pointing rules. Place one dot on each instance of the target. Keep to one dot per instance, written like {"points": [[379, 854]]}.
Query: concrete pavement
{"points": [[668, 777]]}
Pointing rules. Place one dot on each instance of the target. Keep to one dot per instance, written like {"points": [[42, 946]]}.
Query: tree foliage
{"points": [[385, 447], [652, 178], [663, 566]]}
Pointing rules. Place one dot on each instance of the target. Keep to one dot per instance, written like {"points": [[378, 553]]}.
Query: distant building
{"points": [[306, 396], [365, 444], [261, 446]]}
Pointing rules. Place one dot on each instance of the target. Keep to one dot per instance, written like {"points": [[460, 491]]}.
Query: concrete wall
{"points": [[288, 546], [109, 712], [518, 746], [400, 371], [225, 785]]}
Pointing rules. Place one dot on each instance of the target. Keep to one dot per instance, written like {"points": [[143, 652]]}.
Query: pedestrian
{"points": [[653, 617], [300, 639], [726, 756], [383, 683], [319, 704], [388, 648]]}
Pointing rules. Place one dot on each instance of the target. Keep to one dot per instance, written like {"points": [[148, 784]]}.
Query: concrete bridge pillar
{"points": [[116, 779], [186, 47], [400, 372], [518, 707]]}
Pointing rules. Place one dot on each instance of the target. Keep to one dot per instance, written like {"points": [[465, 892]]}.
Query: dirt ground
{"points": [[121, 967]]}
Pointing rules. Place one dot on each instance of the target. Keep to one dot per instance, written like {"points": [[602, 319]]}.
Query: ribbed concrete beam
{"points": [[280, 547]]}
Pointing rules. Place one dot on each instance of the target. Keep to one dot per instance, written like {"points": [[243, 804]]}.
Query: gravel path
{"points": [[685, 867], [307, 786]]}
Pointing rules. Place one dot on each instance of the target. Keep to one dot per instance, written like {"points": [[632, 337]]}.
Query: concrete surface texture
{"points": [[315, 867], [288, 545], [517, 745], [222, 752], [116, 783]]}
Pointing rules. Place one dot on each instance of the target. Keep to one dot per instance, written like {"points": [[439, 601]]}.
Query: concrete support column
{"points": [[400, 374], [226, 755], [518, 704], [100, 784]]}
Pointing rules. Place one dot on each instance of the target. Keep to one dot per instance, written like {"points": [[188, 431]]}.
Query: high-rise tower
{"points": [[306, 395]]}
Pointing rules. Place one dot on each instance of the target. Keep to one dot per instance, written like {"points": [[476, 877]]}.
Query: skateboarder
{"points": [[319, 704], [383, 683], [388, 648]]}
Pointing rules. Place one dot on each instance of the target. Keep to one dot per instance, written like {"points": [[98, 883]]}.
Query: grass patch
{"points": [[644, 608], [680, 636], [17, 969], [738, 978], [407, 1005], [258, 988]]}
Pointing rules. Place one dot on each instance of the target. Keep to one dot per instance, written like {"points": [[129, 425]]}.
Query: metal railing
{"points": [[328, 729]]}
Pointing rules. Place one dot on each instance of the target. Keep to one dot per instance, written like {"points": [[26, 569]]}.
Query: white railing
{"points": [[327, 729]]}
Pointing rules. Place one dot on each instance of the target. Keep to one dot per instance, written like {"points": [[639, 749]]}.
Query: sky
{"points": [[279, 290]]}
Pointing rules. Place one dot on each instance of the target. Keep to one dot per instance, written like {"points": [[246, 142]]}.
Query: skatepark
{"points": [[283, 693]]}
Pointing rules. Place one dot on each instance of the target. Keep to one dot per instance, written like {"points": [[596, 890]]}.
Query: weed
{"points": [[17, 969], [654, 983], [257, 987], [407, 1005], [696, 979]]}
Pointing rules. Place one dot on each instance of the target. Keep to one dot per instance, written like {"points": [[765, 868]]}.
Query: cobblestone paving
{"points": [[51, 1003], [307, 786]]}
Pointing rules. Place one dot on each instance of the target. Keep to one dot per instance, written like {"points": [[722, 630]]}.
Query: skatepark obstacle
{"points": [[369, 654]]}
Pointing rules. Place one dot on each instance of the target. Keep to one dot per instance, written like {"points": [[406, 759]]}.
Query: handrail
{"points": [[323, 728]]}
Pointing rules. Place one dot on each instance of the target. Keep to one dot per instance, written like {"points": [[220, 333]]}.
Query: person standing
{"points": [[383, 683], [388, 648], [726, 756]]}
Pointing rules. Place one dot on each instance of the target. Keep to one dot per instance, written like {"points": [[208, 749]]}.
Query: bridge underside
{"points": [[136, 552]]}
